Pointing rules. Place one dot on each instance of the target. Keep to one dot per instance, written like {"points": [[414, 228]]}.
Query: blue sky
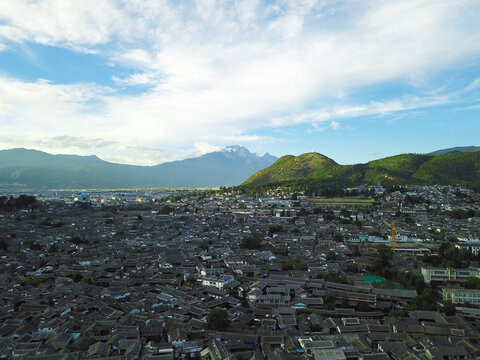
{"points": [[143, 82]]}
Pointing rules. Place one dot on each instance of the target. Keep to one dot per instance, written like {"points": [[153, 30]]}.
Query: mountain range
{"points": [[36, 169], [456, 150], [314, 171], [234, 165]]}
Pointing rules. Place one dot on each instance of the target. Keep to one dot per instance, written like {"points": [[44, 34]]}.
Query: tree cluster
{"points": [[165, 210], [3, 244], [202, 245], [450, 256], [331, 255], [293, 264], [337, 278], [472, 282], [20, 202], [217, 319], [424, 301], [461, 213], [252, 242], [381, 265], [272, 229]]}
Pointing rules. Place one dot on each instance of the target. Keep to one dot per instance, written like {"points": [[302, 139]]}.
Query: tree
{"points": [[303, 212], [338, 238], [251, 242], [383, 257], [202, 245], [331, 255], [87, 279], [472, 282], [32, 282], [344, 213], [76, 277], [52, 248], [228, 288], [329, 301], [361, 306], [217, 319], [165, 210], [452, 256], [3, 244], [356, 251], [358, 223], [21, 202], [337, 278], [381, 260], [274, 229], [293, 264], [33, 245], [424, 301], [449, 309]]}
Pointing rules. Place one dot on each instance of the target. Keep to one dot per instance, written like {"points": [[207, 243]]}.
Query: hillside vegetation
{"points": [[316, 172], [289, 167]]}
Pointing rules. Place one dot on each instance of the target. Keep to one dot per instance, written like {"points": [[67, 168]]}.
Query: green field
{"points": [[382, 283], [372, 278]]}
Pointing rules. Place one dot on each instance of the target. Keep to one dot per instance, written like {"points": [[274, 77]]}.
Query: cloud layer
{"points": [[211, 72]]}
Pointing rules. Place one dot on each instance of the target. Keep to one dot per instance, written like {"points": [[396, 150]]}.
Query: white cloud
{"points": [[218, 71], [316, 128], [335, 125], [202, 148], [45, 106], [333, 113], [145, 78], [106, 149], [88, 22], [472, 107]]}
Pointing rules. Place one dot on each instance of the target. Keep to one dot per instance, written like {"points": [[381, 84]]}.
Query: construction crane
{"points": [[394, 232]]}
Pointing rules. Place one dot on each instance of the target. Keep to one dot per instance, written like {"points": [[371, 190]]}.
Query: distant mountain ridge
{"points": [[314, 171], [37, 169], [457, 149]]}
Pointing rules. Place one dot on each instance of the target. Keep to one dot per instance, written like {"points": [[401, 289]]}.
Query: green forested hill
{"points": [[289, 167], [315, 172]]}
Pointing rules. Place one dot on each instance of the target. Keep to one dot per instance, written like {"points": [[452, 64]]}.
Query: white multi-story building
{"points": [[218, 281]]}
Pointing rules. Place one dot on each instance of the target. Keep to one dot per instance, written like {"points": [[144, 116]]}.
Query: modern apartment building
{"points": [[448, 274], [461, 296]]}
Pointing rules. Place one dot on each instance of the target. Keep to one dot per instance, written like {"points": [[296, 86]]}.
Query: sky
{"points": [[149, 81]]}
